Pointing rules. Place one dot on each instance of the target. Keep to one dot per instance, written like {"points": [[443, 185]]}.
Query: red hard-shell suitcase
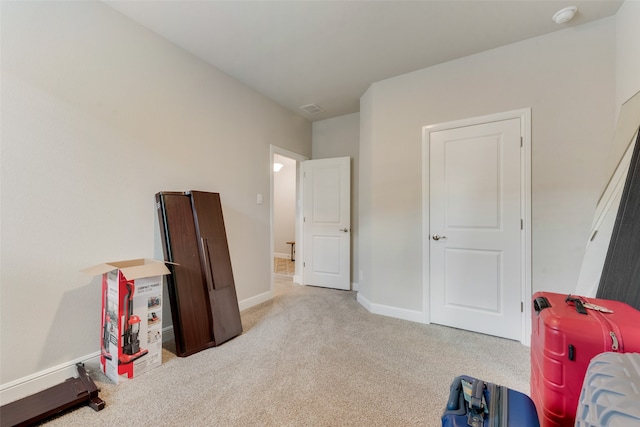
{"points": [[563, 342]]}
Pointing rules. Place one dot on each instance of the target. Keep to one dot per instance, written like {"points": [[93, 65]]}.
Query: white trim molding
{"points": [[255, 300], [34, 383], [281, 255], [389, 311]]}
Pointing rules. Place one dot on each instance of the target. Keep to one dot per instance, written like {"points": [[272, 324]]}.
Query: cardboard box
{"points": [[131, 339]]}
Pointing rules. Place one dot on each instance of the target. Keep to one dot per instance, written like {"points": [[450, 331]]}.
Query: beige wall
{"points": [[567, 78], [627, 51], [99, 114], [627, 71]]}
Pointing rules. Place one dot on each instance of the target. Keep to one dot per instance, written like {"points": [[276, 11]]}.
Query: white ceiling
{"points": [[329, 52]]}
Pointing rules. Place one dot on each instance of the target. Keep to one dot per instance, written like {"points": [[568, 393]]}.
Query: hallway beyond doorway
{"points": [[284, 266]]}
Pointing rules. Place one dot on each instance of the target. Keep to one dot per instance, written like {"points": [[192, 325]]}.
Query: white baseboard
{"points": [[364, 301], [34, 383], [258, 299], [281, 255], [355, 286], [389, 311], [167, 334], [297, 279]]}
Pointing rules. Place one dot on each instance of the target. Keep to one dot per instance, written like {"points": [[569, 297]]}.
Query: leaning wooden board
{"points": [[204, 305]]}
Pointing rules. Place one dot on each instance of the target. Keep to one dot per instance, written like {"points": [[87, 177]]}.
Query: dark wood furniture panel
{"points": [[187, 290], [216, 263], [204, 304], [620, 278], [213, 238]]}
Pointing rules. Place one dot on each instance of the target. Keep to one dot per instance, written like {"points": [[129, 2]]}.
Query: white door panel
{"points": [[327, 223], [475, 225], [471, 175], [471, 266]]}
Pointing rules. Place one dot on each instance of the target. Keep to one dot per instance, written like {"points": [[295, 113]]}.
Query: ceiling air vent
{"points": [[312, 109]]}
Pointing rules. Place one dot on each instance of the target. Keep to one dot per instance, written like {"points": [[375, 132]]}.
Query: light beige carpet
{"points": [[310, 357]]}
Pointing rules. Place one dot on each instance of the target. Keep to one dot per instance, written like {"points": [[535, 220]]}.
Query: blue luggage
{"points": [[476, 403]]}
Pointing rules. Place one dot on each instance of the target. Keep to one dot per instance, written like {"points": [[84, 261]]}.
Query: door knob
{"points": [[344, 230], [437, 237]]}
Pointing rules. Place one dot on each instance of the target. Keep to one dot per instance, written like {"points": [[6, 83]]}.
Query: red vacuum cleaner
{"points": [[131, 346]]}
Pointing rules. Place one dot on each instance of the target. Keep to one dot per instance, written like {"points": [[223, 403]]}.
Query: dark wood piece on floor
{"points": [[620, 278], [204, 304], [52, 401]]}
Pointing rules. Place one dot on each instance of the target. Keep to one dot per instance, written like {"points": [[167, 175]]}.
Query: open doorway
{"points": [[286, 213]]}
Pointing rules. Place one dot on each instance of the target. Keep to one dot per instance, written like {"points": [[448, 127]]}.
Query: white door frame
{"points": [[525, 205], [299, 158]]}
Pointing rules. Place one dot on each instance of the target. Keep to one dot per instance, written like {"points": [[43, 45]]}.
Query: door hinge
{"points": [[304, 264], [522, 224], [521, 306], [304, 219], [521, 141]]}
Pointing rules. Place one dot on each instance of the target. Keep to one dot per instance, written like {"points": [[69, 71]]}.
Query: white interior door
{"points": [[476, 228], [327, 223]]}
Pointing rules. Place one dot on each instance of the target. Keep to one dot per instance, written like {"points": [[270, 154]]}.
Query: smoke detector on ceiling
{"points": [[311, 109], [565, 15]]}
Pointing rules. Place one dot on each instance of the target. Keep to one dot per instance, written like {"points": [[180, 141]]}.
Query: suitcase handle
{"points": [[456, 405], [578, 303], [453, 404], [476, 396], [540, 304], [476, 408]]}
